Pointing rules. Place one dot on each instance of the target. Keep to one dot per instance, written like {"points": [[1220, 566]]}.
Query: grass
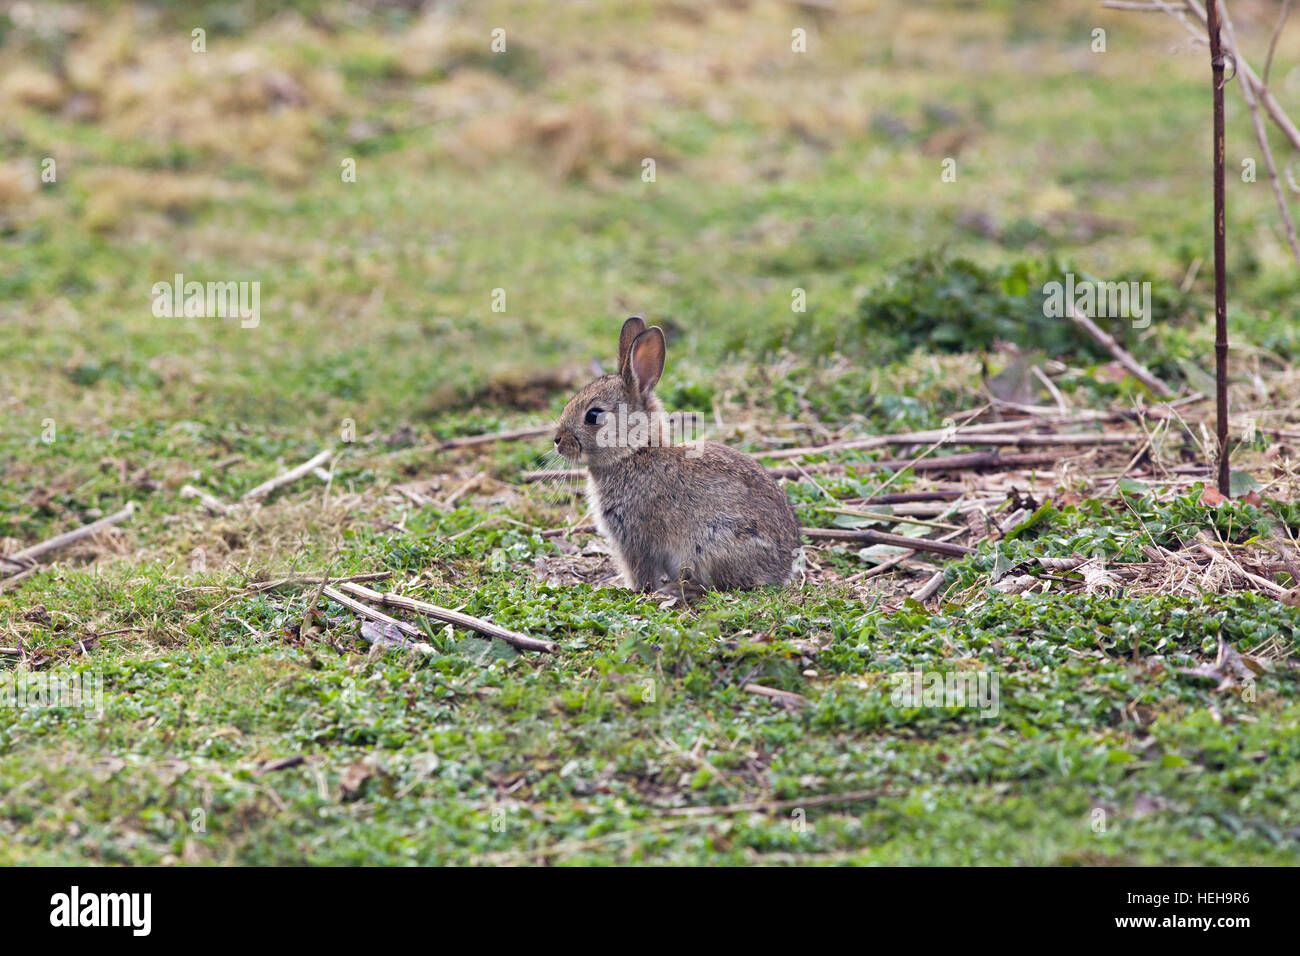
{"points": [[522, 172]]}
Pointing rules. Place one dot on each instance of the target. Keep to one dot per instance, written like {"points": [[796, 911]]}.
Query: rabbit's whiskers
{"points": [[556, 491]]}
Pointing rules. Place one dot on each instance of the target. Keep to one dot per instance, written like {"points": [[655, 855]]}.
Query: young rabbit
{"points": [[701, 513]]}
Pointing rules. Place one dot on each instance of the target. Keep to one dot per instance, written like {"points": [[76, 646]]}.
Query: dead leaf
{"points": [[385, 635], [37, 614], [353, 779], [82, 645]]}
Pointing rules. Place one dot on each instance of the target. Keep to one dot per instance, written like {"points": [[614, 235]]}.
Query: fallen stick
{"points": [[560, 474], [518, 433], [288, 478], [889, 565], [919, 509], [463, 490], [900, 438], [209, 501], [981, 433], [1278, 432], [928, 589], [963, 461], [28, 556], [9, 580], [785, 697], [576, 529], [758, 806], [521, 641], [930, 449], [881, 518], [1136, 368], [369, 612], [1069, 438], [960, 462], [866, 536], [974, 459], [1204, 545], [314, 579], [1062, 405], [905, 497], [987, 433], [283, 763]]}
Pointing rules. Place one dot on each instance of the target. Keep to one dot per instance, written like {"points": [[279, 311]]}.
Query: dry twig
{"points": [[784, 697], [761, 806], [468, 441], [288, 478], [368, 612], [1136, 368], [867, 536], [521, 641], [21, 562], [208, 500]]}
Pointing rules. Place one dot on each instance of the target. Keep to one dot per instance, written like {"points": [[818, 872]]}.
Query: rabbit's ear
{"points": [[631, 329], [646, 362]]}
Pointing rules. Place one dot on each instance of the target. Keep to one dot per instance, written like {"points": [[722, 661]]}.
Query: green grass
{"points": [[773, 174], [481, 754]]}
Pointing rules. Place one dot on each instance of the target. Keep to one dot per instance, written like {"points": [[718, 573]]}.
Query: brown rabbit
{"points": [[700, 512]]}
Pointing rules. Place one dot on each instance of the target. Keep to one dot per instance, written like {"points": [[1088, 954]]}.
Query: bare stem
{"points": [[1220, 265]]}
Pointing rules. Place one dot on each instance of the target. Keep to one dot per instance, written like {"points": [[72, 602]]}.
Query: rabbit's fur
{"points": [[700, 512]]}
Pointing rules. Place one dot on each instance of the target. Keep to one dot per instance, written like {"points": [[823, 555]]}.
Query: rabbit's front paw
{"points": [[683, 588]]}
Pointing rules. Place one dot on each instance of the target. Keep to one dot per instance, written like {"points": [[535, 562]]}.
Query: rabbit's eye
{"points": [[595, 416]]}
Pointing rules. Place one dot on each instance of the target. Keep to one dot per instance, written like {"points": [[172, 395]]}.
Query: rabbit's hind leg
{"points": [[749, 562]]}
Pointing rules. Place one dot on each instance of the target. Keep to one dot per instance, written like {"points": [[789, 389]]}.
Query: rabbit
{"points": [[700, 513]]}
